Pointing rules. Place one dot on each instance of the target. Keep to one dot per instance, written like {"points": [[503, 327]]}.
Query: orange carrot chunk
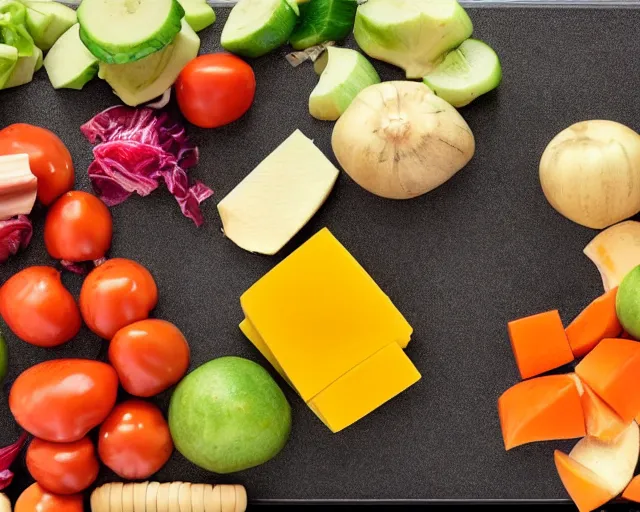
{"points": [[586, 489], [632, 492], [539, 343], [597, 321], [541, 409], [612, 370]]}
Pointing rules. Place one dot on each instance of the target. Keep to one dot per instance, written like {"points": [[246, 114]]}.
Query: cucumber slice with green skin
{"points": [[411, 34], [322, 21], [24, 70], [143, 80], [471, 70], [69, 64], [343, 74], [198, 13], [47, 21], [8, 62], [121, 31], [257, 27]]}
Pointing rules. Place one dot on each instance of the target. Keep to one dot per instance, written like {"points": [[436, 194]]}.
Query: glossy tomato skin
{"points": [[49, 158], [116, 294], [78, 228], [38, 308], [216, 89], [63, 399], [36, 499], [134, 441], [150, 356], [63, 468]]}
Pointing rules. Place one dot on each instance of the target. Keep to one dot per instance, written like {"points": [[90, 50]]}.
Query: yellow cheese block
{"points": [[366, 387], [320, 314], [254, 337]]}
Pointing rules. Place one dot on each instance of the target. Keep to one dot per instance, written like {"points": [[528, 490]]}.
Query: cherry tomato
{"points": [[38, 308], [49, 158], [63, 399], [116, 294], [134, 440], [63, 468], [78, 228], [36, 499], [216, 89], [149, 356]]}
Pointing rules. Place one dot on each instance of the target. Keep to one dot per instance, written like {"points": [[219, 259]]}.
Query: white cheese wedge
{"points": [[266, 209], [18, 186]]}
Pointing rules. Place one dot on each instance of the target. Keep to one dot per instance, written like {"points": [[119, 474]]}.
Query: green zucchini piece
{"points": [[322, 21], [143, 80], [8, 62], [198, 13], [69, 64], [257, 27], [122, 31], [47, 21], [469, 71], [25, 68]]}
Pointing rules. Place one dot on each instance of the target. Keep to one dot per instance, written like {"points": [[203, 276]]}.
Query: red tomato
{"points": [[134, 440], [63, 468], [36, 499], [149, 356], [116, 294], [38, 308], [78, 228], [49, 158], [63, 399], [216, 89]]}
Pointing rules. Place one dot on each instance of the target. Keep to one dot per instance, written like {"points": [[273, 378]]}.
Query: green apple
{"points": [[229, 415], [628, 302]]}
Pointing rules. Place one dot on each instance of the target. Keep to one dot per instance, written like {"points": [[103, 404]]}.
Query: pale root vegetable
{"points": [[615, 252], [399, 140], [168, 497], [590, 173], [5, 504]]}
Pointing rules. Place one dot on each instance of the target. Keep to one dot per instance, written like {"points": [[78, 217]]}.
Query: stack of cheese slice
{"points": [[330, 331]]}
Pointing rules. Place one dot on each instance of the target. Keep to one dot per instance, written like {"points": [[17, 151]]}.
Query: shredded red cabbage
{"points": [[7, 457], [137, 150], [15, 234]]}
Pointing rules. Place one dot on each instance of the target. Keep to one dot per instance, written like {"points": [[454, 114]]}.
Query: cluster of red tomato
{"points": [[61, 401]]}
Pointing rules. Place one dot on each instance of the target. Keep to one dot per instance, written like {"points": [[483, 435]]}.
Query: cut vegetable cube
{"points": [[25, 68], [632, 492], [541, 409], [8, 62], [18, 186], [597, 321], [539, 343], [322, 21], [69, 64], [267, 208], [47, 21], [587, 489], [198, 14], [366, 387], [612, 370]]}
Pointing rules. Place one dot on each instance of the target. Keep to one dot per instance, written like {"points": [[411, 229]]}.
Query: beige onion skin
{"points": [[590, 173], [398, 140]]}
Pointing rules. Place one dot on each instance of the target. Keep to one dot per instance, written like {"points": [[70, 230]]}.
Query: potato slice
{"points": [[613, 462], [241, 498], [211, 499], [127, 498], [184, 497], [140, 497], [162, 500], [152, 497], [227, 498], [197, 498], [174, 493]]}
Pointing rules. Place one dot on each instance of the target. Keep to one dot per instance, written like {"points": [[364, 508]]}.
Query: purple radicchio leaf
{"points": [[8, 455], [15, 234]]}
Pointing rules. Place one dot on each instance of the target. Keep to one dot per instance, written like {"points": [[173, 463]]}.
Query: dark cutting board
{"points": [[459, 262]]}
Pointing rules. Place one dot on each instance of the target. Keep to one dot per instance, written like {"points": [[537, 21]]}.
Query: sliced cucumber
{"points": [[24, 70], [322, 21], [8, 62], [471, 70], [121, 31], [198, 13], [256, 27], [69, 64], [343, 74], [47, 21], [143, 80]]}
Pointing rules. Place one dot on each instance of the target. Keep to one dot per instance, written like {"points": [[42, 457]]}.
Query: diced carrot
{"points": [[539, 343], [612, 370], [632, 492], [601, 421], [541, 409], [597, 321], [587, 490]]}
